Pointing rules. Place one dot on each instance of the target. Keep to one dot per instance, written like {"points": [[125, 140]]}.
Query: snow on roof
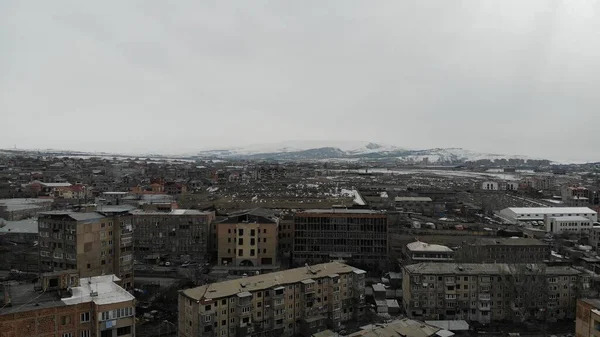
{"points": [[552, 210], [105, 289], [419, 246]]}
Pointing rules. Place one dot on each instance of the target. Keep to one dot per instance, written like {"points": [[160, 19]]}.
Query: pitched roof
{"points": [[266, 281]]}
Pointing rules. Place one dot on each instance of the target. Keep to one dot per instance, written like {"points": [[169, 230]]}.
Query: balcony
{"points": [[450, 281], [484, 306], [484, 297]]}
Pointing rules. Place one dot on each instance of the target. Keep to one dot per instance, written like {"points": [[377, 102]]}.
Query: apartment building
{"points": [[505, 250], [491, 292], [299, 301], [91, 242], [587, 323], [356, 235], [62, 304], [247, 241], [175, 236]]}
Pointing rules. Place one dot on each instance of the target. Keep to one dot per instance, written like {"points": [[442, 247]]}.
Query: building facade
{"points": [[299, 301], [356, 235], [91, 243], [515, 215], [505, 250], [568, 224], [491, 292], [247, 241], [67, 306], [176, 236], [587, 323]]}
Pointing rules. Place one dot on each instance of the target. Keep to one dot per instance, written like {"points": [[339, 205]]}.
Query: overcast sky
{"points": [[515, 77]]}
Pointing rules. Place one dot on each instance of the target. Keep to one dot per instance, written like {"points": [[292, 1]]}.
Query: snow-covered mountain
{"points": [[314, 150]]}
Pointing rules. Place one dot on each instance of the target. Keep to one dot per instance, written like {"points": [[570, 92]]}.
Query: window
{"points": [[126, 330], [241, 241], [265, 231], [68, 334], [85, 317], [252, 232], [224, 302], [85, 333], [64, 320], [240, 252], [252, 253], [240, 231]]}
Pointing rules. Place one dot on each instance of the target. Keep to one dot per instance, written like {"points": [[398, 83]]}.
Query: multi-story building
{"points": [[175, 236], [568, 224], [587, 323], [356, 235], [505, 250], [92, 243], [491, 292], [299, 301], [62, 304], [247, 241]]}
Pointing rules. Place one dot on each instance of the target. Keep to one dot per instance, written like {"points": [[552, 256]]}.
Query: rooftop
{"points": [[18, 204], [592, 301], [402, 327], [486, 268], [173, 212], [552, 210], [510, 242], [419, 199], [21, 226], [341, 211], [77, 216], [419, 246], [104, 289], [24, 297], [266, 281]]}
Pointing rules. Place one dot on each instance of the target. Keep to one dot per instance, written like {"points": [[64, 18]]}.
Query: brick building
{"points": [[62, 304]]}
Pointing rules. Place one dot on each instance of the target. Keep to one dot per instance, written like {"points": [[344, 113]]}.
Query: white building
{"points": [[568, 224], [524, 214], [489, 186]]}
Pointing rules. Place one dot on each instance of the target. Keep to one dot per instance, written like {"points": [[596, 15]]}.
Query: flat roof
{"points": [[341, 211], [21, 226], [77, 216], [510, 241], [266, 281], [419, 246], [108, 292], [412, 199], [172, 213], [483, 268], [552, 210]]}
